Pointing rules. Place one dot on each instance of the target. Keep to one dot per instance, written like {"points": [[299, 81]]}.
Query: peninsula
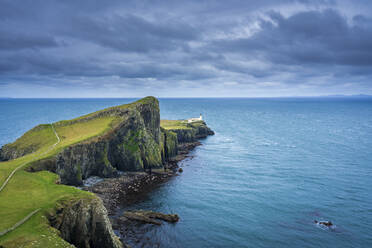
{"points": [[39, 203]]}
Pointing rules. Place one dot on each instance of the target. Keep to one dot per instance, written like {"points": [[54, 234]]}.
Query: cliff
{"points": [[135, 141], [132, 145], [187, 132], [84, 223], [129, 137]]}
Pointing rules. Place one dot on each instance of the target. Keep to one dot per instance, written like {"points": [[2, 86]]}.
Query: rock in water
{"points": [[140, 217], [324, 223], [166, 217], [150, 216]]}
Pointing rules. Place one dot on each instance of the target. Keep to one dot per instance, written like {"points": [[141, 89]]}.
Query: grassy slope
{"points": [[35, 139], [26, 191]]}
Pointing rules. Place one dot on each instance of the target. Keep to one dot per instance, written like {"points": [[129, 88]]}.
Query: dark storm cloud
{"points": [[310, 37], [10, 40], [131, 33], [178, 43]]}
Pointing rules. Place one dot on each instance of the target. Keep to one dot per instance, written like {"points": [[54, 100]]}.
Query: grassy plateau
{"points": [[180, 124]]}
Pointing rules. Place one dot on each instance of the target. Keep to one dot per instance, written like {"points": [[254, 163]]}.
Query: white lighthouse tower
{"points": [[195, 119]]}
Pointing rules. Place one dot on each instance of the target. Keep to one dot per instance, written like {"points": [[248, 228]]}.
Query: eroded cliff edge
{"points": [[84, 223]]}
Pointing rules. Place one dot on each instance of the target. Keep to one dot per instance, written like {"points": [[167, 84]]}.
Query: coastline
{"points": [[131, 187]]}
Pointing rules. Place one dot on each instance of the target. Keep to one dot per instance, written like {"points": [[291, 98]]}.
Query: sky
{"points": [[191, 48]]}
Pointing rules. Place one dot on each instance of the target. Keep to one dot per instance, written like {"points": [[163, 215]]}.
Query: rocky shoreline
{"points": [[132, 187]]}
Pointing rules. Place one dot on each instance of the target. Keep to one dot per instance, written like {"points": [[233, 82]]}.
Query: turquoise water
{"points": [[273, 167]]}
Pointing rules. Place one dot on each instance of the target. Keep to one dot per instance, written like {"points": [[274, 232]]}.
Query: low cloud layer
{"points": [[184, 48]]}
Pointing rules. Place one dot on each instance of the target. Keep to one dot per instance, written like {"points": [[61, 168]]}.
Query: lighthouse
{"points": [[195, 119]]}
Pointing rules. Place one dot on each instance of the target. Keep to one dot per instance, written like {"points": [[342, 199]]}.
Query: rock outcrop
{"points": [[169, 143], [133, 145], [85, 224], [193, 132], [150, 216]]}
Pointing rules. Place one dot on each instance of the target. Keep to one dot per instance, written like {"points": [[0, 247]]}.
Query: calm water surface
{"points": [[273, 167]]}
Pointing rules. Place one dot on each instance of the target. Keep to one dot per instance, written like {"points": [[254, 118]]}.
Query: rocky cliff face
{"points": [[85, 224], [7, 153], [169, 144], [133, 145], [194, 131]]}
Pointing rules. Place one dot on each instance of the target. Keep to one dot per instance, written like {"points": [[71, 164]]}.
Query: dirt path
{"points": [[11, 175], [19, 222]]}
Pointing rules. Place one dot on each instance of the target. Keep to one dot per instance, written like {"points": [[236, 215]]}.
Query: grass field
{"points": [[179, 124], [174, 124]]}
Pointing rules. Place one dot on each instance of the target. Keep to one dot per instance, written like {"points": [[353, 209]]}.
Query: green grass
{"points": [[35, 139], [79, 131], [26, 191], [19, 199], [180, 124], [145, 100], [174, 124]]}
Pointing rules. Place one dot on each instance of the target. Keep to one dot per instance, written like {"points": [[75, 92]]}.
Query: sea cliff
{"points": [[84, 223]]}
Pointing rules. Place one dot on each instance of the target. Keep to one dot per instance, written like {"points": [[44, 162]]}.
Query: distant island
{"points": [[38, 207]]}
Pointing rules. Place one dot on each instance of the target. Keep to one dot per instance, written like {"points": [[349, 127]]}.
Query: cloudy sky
{"points": [[201, 48]]}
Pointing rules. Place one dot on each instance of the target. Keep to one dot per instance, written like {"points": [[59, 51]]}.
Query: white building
{"points": [[195, 119]]}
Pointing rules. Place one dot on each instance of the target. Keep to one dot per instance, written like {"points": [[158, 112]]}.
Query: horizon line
{"points": [[187, 97]]}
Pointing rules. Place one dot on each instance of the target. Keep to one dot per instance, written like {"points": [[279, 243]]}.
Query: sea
{"points": [[273, 167]]}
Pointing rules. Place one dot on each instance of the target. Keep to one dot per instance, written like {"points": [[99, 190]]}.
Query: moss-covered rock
{"points": [[132, 145], [169, 144], [80, 161], [84, 223], [135, 144], [187, 132]]}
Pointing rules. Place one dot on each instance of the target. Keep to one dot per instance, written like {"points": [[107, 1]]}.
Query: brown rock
{"points": [[149, 216], [140, 217]]}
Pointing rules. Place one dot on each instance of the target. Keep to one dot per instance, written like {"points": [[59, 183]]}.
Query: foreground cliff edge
{"points": [[122, 138]]}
